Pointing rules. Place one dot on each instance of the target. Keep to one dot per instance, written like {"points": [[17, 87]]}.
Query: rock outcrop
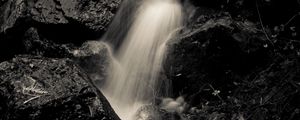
{"points": [[94, 57], [220, 51], [60, 21], [233, 60], [42, 88]]}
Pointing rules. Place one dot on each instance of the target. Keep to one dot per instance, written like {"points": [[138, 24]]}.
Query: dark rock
{"points": [[12, 15], [95, 15], [12, 12], [239, 9], [60, 21], [265, 11], [41, 88], [232, 65], [151, 112], [2, 2], [37, 45], [94, 57], [218, 52]]}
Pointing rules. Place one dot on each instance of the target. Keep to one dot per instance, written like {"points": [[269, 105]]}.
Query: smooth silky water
{"points": [[133, 74]]}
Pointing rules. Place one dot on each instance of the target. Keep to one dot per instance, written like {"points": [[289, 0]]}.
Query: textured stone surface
{"points": [[94, 58], [41, 88], [37, 45], [95, 15], [12, 11], [237, 64], [217, 52], [60, 21]]}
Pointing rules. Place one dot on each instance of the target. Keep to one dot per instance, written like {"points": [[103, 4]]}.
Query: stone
{"points": [[94, 57], [218, 52], [36, 44], [47, 88], [60, 21]]}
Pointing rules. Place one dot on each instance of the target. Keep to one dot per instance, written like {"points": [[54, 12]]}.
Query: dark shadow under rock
{"points": [[41, 88], [37, 45]]}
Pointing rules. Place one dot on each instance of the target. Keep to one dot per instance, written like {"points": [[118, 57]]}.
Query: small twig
{"points": [[32, 90], [215, 90], [91, 111], [262, 26], [31, 99], [292, 18]]}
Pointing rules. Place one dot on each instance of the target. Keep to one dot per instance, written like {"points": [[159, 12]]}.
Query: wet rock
{"points": [[2, 1], [177, 105], [217, 52], [151, 112], [47, 11], [94, 58], [37, 45], [60, 21], [257, 10], [42, 88], [228, 62], [12, 12], [95, 15]]}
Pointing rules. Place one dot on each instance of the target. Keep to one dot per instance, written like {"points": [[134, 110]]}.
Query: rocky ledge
{"points": [[43, 88]]}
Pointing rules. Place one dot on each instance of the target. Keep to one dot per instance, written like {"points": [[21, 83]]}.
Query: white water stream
{"points": [[133, 75]]}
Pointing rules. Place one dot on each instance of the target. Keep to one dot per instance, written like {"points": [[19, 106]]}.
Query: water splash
{"points": [[133, 76]]}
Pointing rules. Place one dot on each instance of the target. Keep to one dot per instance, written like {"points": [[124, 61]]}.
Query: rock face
{"points": [[43, 88], [94, 15], [61, 21], [219, 52], [237, 64], [94, 58], [36, 44], [151, 112], [32, 87]]}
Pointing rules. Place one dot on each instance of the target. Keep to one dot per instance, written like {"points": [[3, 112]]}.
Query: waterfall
{"points": [[133, 75]]}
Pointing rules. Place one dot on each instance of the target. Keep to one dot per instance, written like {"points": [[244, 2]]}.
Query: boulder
{"points": [[219, 52], [152, 112], [13, 13], [94, 58], [266, 12], [237, 64], [43, 88], [37, 45], [94, 15], [60, 21]]}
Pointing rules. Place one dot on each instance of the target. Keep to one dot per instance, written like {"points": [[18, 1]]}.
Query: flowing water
{"points": [[133, 75]]}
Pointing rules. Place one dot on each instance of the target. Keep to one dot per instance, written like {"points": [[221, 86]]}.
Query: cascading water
{"points": [[133, 75]]}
